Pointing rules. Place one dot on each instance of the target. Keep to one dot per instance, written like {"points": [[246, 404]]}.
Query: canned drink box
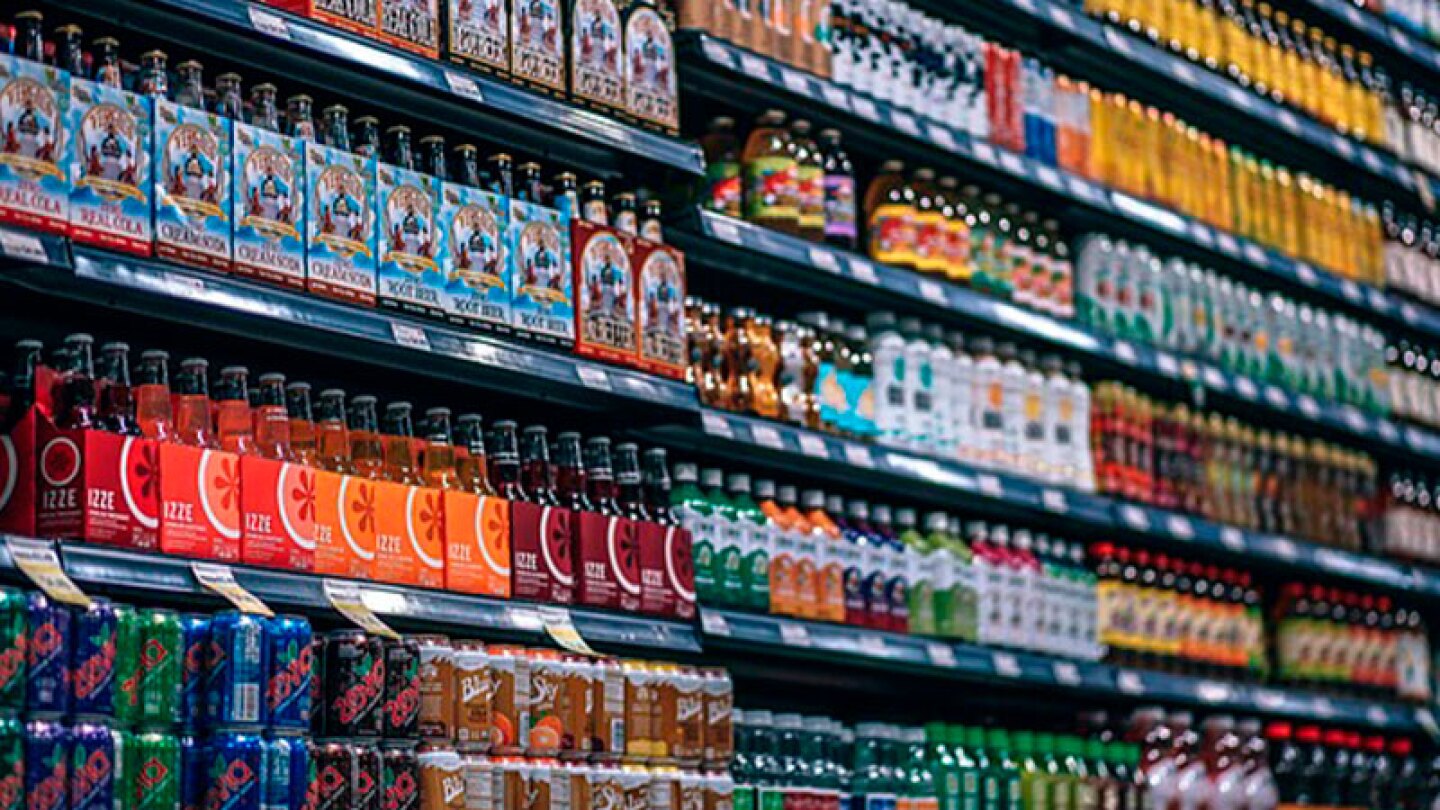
{"points": [[288, 685], [236, 666], [269, 206], [192, 164], [34, 170], [47, 655], [110, 182]]}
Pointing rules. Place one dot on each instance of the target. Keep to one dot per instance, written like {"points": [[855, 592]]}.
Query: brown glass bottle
{"points": [[537, 477], [739, 360], [471, 462], [763, 368], [504, 460], [723, 184], [771, 175]]}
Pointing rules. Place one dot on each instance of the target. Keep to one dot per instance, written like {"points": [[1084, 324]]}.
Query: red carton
{"points": [[542, 568], [96, 486], [277, 500], [411, 25], [17, 476], [359, 16], [607, 551], [200, 503], [605, 324], [409, 535], [660, 306], [477, 544], [667, 576], [344, 526]]}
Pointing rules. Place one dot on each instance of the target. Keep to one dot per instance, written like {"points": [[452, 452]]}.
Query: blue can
{"points": [[194, 771], [195, 638], [47, 765], [287, 772], [97, 757], [48, 655], [236, 774], [287, 691], [236, 665], [92, 676]]}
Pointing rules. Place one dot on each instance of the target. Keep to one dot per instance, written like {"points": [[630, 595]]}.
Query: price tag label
{"points": [[985, 153], [1324, 707], [859, 456], [864, 107], [1203, 235], [560, 627], [1065, 673], [269, 24], [794, 635], [718, 53], [592, 377], [410, 336], [1184, 73], [1255, 255], [933, 292], [1134, 517], [1306, 274], [1227, 243], [724, 230], [754, 67], [1240, 98], [942, 137], [823, 259], [1216, 380], [1167, 364], [1355, 419], [1276, 398], [794, 82], [1119, 42], [1388, 432], [1005, 664], [1180, 527], [1377, 300], [344, 596], [1128, 682], [1351, 290], [1212, 692], [1285, 549], [990, 486], [1086, 192], [1308, 406], [767, 436], [714, 624], [1424, 189], [1054, 501], [1246, 388], [1426, 720], [220, 579], [716, 425], [25, 247], [1232, 538], [1269, 699], [864, 272], [813, 446], [41, 563], [905, 122], [941, 655], [1342, 144], [1377, 716], [1125, 352], [1371, 160], [464, 86], [1049, 177], [1061, 17], [1289, 122], [873, 645], [835, 96], [1012, 163]]}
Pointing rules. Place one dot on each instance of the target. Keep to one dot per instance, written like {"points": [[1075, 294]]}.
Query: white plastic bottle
{"points": [[1012, 386], [1080, 430], [962, 399], [988, 396], [887, 347], [1034, 457], [942, 399], [1059, 401], [919, 386]]}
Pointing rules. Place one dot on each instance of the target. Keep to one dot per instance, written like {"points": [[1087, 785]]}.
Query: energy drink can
{"points": [[401, 705], [400, 775], [127, 666], [287, 688], [235, 671], [365, 791], [194, 772], [332, 775]]}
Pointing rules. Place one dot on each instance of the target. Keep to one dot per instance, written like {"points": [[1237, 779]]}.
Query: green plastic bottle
{"points": [[769, 787], [729, 540], [967, 590], [741, 766], [941, 763], [923, 788], [696, 513], [1035, 777], [992, 780], [1062, 773], [1006, 767], [966, 767], [1096, 786], [939, 565], [755, 564], [870, 783]]}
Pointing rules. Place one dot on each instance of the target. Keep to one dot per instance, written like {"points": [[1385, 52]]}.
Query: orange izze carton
{"points": [[409, 535], [344, 525], [97, 486], [277, 500], [477, 544]]}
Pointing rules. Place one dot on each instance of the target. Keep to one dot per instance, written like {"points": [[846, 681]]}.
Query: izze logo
{"points": [[93, 775], [362, 696], [291, 678], [230, 789]]}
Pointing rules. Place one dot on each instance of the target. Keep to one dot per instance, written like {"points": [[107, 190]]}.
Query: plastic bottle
{"points": [[838, 560], [967, 768], [962, 398], [888, 348], [1035, 453], [941, 765], [784, 597], [696, 513], [942, 397], [810, 553], [928, 574], [988, 400], [1035, 779], [919, 385], [722, 168], [755, 568], [770, 171], [731, 541], [874, 560], [1008, 772]]}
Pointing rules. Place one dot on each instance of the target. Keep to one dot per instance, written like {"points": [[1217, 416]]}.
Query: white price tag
{"points": [[823, 259], [1184, 73], [1202, 234], [1308, 406], [1180, 527], [985, 153], [410, 336], [864, 272], [1246, 388], [1054, 501], [1086, 191], [25, 247], [1426, 719], [1049, 177], [1388, 432], [592, 377], [718, 53], [1240, 98], [942, 137], [794, 635], [1012, 163], [724, 230], [1342, 144], [1306, 274], [1129, 682], [905, 122], [1269, 700], [1351, 290], [858, 455], [1167, 364], [864, 107], [754, 67], [1288, 121], [464, 86], [1005, 664], [716, 425], [41, 563], [794, 82], [220, 579], [1065, 673], [344, 596], [1377, 300], [874, 645], [1355, 419], [990, 486], [1276, 397], [835, 96], [1285, 549], [1125, 352], [561, 628], [1227, 243], [1324, 707], [1134, 517], [1213, 378], [1232, 538], [933, 292], [813, 446], [1212, 692], [1119, 42], [269, 24], [713, 623], [1061, 16], [941, 655], [1377, 716], [1255, 255], [767, 436]]}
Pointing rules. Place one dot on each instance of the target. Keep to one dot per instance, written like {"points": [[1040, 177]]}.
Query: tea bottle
{"points": [[930, 236], [303, 445], [154, 411], [841, 229], [763, 366], [271, 420], [332, 443], [890, 215], [723, 184], [117, 397], [367, 454], [810, 181], [771, 182]]}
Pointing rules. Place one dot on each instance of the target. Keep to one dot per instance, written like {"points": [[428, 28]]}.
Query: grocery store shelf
{"points": [[170, 293], [772, 635], [902, 474], [418, 89], [109, 571], [1383, 36], [728, 72], [740, 248]]}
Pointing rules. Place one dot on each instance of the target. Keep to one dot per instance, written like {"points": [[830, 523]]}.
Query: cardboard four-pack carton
{"points": [[192, 163], [269, 206], [110, 182], [340, 246], [34, 134]]}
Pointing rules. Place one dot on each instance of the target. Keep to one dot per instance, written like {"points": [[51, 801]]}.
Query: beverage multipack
{"points": [[35, 164], [111, 187]]}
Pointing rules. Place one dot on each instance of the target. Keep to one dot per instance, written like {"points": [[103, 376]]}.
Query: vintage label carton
{"points": [[660, 305], [597, 54], [17, 476], [359, 16], [651, 93], [340, 250], [473, 257], [344, 525], [413, 25], [34, 145], [110, 180], [667, 575], [607, 556], [409, 242], [199, 503], [409, 535], [269, 206], [277, 504], [477, 33], [542, 302], [97, 486], [537, 45], [477, 544], [605, 323], [541, 553], [192, 186]]}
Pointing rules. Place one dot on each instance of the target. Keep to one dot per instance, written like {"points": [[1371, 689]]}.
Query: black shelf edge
{"points": [[166, 292], [1385, 36], [723, 68], [774, 635], [715, 241], [407, 84]]}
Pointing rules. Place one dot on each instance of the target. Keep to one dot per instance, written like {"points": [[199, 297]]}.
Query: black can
{"points": [[402, 689], [400, 777], [318, 708], [354, 688], [332, 775], [365, 791]]}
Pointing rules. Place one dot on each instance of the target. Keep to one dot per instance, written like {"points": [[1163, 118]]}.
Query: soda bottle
{"points": [[504, 461], [398, 432], [471, 463], [22, 383], [232, 411], [76, 400], [154, 412], [333, 435], [301, 415], [600, 477], [722, 168], [570, 483], [755, 567], [193, 423], [771, 184], [630, 484], [537, 477], [117, 403], [694, 511], [437, 460], [367, 453], [271, 419]]}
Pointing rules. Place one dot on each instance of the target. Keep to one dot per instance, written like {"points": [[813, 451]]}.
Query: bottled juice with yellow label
{"points": [[929, 223], [770, 171], [890, 216]]}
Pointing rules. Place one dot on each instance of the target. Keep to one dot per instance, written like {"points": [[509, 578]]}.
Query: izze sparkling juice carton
{"points": [[199, 484], [410, 278], [34, 145], [542, 303], [477, 33], [344, 502], [192, 186], [473, 258], [477, 521], [277, 496], [340, 224], [110, 187], [269, 206], [409, 522], [605, 282], [660, 305]]}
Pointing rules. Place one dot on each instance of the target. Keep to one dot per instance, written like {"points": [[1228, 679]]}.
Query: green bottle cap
{"points": [[957, 735], [975, 738], [1115, 752], [1095, 750], [1023, 742]]}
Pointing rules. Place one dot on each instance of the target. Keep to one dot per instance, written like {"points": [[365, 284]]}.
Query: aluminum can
{"points": [[13, 637], [288, 685], [332, 775], [354, 685], [400, 775], [127, 666], [365, 792], [47, 764], [235, 671], [92, 672], [48, 655], [235, 779], [195, 636], [442, 777], [97, 761], [194, 771], [12, 763], [162, 652], [154, 759], [287, 772], [401, 706]]}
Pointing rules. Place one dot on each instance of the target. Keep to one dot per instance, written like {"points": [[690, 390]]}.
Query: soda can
{"points": [[399, 775], [332, 773], [127, 666], [288, 685], [161, 662], [401, 707], [194, 772], [195, 641], [97, 760], [47, 655], [317, 682], [287, 772], [354, 685], [235, 670], [235, 778], [13, 638], [442, 777], [47, 765], [154, 759], [369, 768], [92, 673]]}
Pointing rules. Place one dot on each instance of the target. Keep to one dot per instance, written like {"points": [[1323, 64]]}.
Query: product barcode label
{"points": [[23, 247], [1255, 255], [1276, 397], [985, 153], [1184, 73], [1049, 177], [795, 635], [592, 377], [1214, 379], [1061, 17], [1288, 120], [269, 24], [246, 699], [1212, 692], [718, 53], [1285, 548]]}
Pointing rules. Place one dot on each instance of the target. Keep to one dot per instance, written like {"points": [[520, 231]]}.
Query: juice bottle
{"points": [[772, 196], [630, 497], [841, 229], [928, 574], [193, 421], [890, 217], [232, 413], [993, 787], [332, 445], [730, 541], [154, 411], [301, 416], [398, 432], [271, 419], [755, 569], [367, 453], [722, 168], [810, 556], [809, 181], [437, 459], [834, 569], [117, 397], [783, 598], [967, 768], [1006, 768], [76, 399], [930, 236], [956, 250], [695, 512], [875, 563], [471, 459], [939, 762], [738, 360], [570, 480], [898, 564], [1035, 779], [763, 367]]}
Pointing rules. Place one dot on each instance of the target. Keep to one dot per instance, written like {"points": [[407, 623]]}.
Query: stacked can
{"points": [[366, 727]]}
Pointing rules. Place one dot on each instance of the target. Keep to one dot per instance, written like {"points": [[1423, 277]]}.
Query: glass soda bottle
{"points": [[722, 168], [537, 477], [398, 444], [630, 495], [232, 412], [154, 411], [810, 181], [771, 175], [77, 384], [505, 461], [332, 434], [271, 419], [437, 460], [117, 396], [471, 462], [570, 479], [193, 422], [367, 453], [303, 447]]}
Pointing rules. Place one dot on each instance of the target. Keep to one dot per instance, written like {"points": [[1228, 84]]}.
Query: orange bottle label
{"points": [[477, 544]]}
